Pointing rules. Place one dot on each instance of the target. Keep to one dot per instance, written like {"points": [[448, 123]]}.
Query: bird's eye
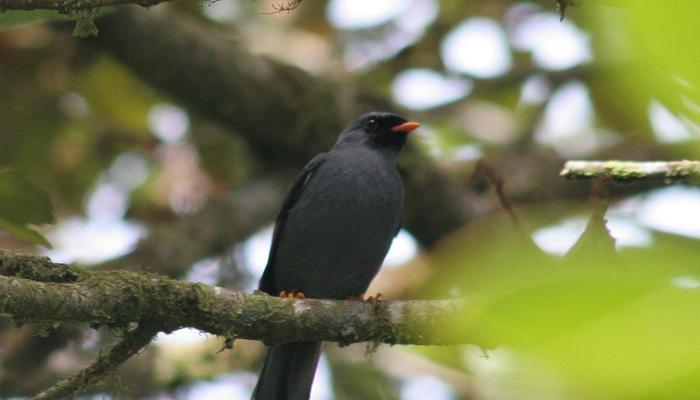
{"points": [[372, 125]]}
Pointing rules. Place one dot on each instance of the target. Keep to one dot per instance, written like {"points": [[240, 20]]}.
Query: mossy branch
{"points": [[34, 289], [69, 6], [626, 171], [66, 6], [120, 298]]}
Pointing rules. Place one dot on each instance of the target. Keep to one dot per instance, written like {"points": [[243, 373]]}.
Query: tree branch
{"points": [[119, 298], [625, 171], [282, 7], [223, 81], [67, 6], [130, 344], [562, 5], [39, 269]]}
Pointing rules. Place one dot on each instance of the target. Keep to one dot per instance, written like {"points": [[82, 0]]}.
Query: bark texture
{"points": [[121, 298], [632, 170]]}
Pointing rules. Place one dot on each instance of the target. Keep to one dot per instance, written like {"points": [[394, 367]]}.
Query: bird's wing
{"points": [[301, 182]]}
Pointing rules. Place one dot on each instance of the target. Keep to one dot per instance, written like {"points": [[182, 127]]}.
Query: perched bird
{"points": [[331, 236]]}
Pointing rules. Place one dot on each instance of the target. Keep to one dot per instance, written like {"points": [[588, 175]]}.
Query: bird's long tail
{"points": [[288, 372]]}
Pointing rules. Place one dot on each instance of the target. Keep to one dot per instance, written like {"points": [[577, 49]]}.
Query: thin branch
{"points": [[626, 171], [485, 169], [68, 6], [119, 298], [562, 5], [131, 343], [282, 7]]}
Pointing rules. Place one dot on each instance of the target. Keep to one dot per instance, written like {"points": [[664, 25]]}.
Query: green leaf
{"points": [[11, 19], [22, 203], [24, 233], [595, 245]]}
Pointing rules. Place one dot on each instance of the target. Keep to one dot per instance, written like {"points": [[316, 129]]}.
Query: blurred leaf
{"points": [[485, 256], [451, 136], [118, 96], [225, 157], [23, 203], [13, 18], [361, 380], [666, 34], [618, 326], [450, 356], [24, 233], [562, 301], [646, 51], [595, 242]]}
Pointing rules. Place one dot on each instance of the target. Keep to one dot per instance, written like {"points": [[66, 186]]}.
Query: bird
{"points": [[331, 236]]}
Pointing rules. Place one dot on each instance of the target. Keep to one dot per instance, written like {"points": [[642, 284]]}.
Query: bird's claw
{"points": [[371, 299], [293, 294], [375, 299]]}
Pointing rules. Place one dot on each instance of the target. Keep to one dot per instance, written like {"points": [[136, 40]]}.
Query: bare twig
{"points": [[483, 168], [131, 343], [561, 7], [486, 170], [281, 7]]}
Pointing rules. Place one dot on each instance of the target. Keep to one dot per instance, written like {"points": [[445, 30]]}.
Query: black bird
{"points": [[331, 236]]}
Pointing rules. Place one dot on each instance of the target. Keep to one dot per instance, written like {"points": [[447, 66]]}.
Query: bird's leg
{"points": [[292, 294], [355, 298]]}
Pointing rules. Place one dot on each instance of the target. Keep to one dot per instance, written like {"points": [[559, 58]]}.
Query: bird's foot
{"points": [[293, 294], [375, 299], [371, 299]]}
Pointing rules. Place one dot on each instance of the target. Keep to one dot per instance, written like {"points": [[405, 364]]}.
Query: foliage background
{"points": [[138, 178]]}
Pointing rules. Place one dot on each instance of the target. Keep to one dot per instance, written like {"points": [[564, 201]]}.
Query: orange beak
{"points": [[406, 127]]}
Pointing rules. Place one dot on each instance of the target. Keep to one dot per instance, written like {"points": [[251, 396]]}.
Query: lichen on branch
{"points": [[69, 6], [632, 170], [35, 290], [119, 298]]}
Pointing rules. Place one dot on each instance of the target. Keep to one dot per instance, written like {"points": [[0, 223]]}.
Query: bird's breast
{"points": [[363, 186], [340, 230]]}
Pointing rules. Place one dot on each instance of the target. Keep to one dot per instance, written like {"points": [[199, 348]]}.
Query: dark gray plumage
{"points": [[332, 234]]}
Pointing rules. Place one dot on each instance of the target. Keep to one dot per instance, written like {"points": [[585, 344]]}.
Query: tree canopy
{"points": [[145, 151]]}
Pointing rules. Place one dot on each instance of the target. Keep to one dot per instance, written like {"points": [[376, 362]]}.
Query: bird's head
{"points": [[381, 130]]}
